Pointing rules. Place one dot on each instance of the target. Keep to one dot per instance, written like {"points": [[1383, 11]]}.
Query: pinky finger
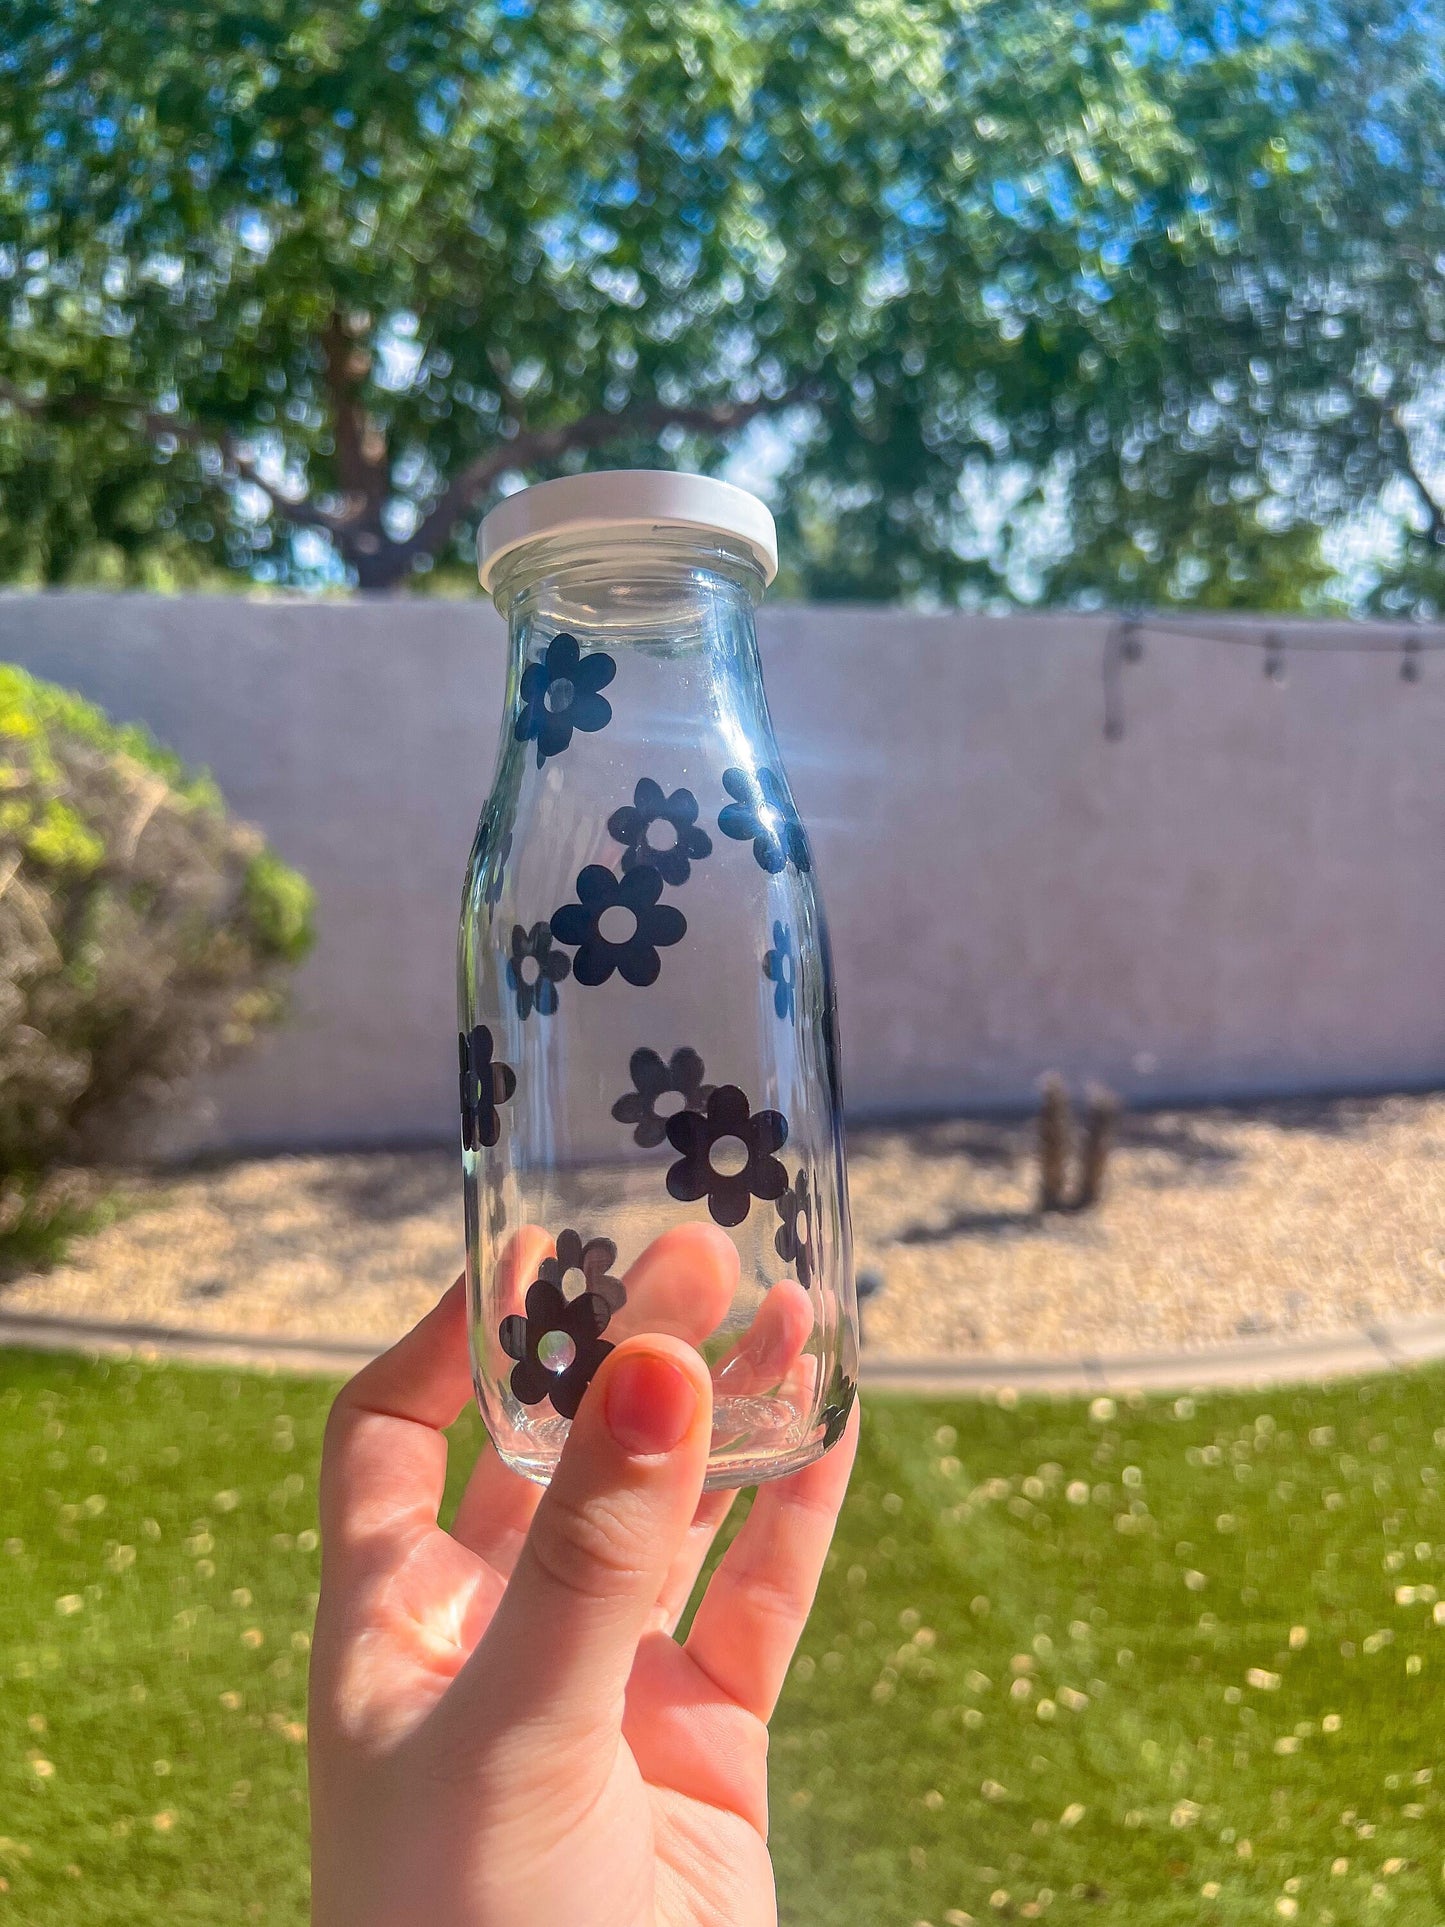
{"points": [[754, 1611]]}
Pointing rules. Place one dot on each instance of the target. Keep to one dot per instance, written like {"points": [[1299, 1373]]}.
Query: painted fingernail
{"points": [[650, 1404]]}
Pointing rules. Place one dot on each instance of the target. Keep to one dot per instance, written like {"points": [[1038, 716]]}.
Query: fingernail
{"points": [[650, 1403]]}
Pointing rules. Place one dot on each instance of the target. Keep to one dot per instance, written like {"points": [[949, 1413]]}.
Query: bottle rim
{"points": [[626, 498]]}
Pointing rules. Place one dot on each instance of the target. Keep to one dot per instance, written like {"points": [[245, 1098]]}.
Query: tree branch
{"points": [[1433, 509], [381, 562], [360, 451], [589, 431], [291, 508], [160, 426], [1389, 421]]}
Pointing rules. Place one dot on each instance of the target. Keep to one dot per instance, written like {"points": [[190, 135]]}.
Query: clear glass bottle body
{"points": [[651, 1121]]}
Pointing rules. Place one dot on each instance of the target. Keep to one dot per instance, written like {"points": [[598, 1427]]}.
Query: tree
{"points": [[1129, 304]]}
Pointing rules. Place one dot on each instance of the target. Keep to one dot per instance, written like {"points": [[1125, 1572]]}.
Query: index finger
{"points": [[384, 1461]]}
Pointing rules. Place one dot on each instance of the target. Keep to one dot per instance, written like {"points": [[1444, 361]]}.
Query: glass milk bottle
{"points": [[651, 1131]]}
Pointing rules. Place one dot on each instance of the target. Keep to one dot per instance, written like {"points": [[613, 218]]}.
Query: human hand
{"points": [[503, 1727]]}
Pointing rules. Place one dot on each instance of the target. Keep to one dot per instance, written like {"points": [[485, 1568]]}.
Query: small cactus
{"points": [[1101, 1114], [1056, 1145], [1056, 1133]]}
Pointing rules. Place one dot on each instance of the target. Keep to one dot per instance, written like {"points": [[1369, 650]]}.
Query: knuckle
{"points": [[754, 1749], [340, 1423], [772, 1601], [587, 1548], [336, 1421]]}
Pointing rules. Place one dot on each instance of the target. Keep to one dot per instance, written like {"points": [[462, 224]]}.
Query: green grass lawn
{"points": [[1171, 1662]]}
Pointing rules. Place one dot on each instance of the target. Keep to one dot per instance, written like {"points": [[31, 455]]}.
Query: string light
{"points": [[1124, 646]]}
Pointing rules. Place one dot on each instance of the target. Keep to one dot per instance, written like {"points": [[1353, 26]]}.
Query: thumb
{"points": [[561, 1643]]}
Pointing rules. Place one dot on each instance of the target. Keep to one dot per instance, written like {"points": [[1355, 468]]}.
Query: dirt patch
{"points": [[1292, 1218]]}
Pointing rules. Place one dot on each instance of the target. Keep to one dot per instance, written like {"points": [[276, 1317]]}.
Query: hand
{"points": [[503, 1728]]}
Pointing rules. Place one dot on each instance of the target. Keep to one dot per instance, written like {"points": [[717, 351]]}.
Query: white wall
{"points": [[1246, 894]]}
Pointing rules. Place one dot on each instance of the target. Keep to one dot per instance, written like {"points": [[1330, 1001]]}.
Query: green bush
{"points": [[144, 936]]}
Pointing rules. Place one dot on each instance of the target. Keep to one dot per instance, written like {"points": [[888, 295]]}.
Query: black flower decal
{"points": [[558, 1346], [796, 1240], [535, 970], [492, 891], [834, 1416], [630, 948], [682, 1073], [632, 825], [593, 1260], [560, 694], [701, 1137], [763, 812], [780, 967], [485, 1085]]}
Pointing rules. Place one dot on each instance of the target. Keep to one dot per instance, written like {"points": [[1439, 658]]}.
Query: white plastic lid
{"points": [[618, 498]]}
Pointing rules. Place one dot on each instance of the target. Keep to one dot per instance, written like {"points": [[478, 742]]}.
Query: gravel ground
{"points": [[1289, 1218]]}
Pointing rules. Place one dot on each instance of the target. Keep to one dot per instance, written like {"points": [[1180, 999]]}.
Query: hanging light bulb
{"points": [[1124, 645]]}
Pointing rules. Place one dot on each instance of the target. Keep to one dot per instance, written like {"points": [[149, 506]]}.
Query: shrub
{"points": [[144, 935]]}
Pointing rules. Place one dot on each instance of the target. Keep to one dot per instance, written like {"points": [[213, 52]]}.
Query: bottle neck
{"points": [[668, 587]]}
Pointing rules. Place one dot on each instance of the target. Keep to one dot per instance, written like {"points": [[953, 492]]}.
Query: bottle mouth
{"points": [[610, 502], [630, 581]]}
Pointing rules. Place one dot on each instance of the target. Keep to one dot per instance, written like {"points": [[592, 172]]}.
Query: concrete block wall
{"points": [[1243, 895]]}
